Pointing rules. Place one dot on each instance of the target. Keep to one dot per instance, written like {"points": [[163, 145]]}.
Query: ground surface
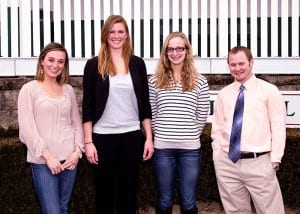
{"points": [[208, 208]]}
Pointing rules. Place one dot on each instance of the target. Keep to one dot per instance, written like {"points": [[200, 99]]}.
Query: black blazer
{"points": [[95, 89]]}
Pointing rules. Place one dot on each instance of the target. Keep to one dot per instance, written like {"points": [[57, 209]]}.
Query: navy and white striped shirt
{"points": [[178, 117]]}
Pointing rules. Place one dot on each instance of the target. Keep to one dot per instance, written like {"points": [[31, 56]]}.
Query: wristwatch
{"points": [[276, 167]]}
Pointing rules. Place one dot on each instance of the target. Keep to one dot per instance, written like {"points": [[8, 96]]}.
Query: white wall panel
{"points": [[25, 25], [233, 23], [97, 25], [57, 20], [223, 28], [4, 28], [213, 28], [147, 31], [295, 27], [137, 27], [87, 29], [46, 32], [36, 27], [284, 28], [194, 26], [156, 28], [67, 26], [264, 28], [243, 22], [274, 28], [253, 27], [204, 30], [77, 28]]}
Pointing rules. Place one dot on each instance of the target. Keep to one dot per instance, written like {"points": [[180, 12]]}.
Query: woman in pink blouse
{"points": [[50, 127]]}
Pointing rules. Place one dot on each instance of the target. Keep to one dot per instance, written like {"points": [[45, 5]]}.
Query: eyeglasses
{"points": [[177, 49]]}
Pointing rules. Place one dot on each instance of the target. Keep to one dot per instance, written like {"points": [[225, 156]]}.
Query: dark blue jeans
{"points": [[182, 162], [53, 191]]}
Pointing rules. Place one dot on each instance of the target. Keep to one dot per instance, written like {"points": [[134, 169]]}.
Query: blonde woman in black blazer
{"points": [[115, 104]]}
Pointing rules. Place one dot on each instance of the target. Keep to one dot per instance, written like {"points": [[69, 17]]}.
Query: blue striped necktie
{"points": [[235, 137]]}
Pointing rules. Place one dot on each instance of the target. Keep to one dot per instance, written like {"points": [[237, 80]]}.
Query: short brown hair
{"points": [[242, 49]]}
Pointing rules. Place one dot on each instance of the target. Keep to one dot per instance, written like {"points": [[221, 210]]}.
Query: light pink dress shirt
{"points": [[264, 119], [46, 122]]}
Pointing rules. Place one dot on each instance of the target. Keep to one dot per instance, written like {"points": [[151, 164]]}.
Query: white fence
{"points": [[269, 27]]}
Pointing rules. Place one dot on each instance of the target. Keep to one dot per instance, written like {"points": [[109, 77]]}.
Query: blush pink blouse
{"points": [[47, 122]]}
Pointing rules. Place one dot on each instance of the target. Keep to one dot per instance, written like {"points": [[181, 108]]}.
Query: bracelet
{"points": [[89, 142], [79, 153]]}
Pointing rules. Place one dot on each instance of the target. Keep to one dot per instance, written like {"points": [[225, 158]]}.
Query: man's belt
{"points": [[246, 155]]}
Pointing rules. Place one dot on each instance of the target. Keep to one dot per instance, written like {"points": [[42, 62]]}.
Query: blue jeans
{"points": [[53, 191], [182, 162]]}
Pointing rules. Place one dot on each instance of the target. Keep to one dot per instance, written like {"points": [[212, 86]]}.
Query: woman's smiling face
{"points": [[176, 50], [117, 36], [53, 64]]}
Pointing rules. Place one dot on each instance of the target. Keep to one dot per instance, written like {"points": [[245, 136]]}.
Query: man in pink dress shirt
{"points": [[262, 141]]}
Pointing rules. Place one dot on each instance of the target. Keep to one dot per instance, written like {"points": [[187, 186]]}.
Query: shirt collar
{"points": [[248, 84]]}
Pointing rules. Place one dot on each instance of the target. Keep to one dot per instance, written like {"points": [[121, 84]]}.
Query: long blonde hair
{"points": [[53, 46], [164, 71], [105, 64]]}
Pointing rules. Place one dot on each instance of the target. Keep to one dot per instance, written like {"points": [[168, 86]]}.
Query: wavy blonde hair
{"points": [[53, 46], [164, 71], [105, 64]]}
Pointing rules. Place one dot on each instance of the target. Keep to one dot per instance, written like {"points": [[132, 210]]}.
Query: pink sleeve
{"points": [[28, 132], [76, 121], [277, 115], [217, 125]]}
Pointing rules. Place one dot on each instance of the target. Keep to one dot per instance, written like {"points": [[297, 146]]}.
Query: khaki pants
{"points": [[245, 180]]}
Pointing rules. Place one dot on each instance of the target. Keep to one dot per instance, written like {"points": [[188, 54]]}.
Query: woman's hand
{"points": [[91, 153], [52, 162], [90, 149], [148, 149], [71, 161], [55, 166]]}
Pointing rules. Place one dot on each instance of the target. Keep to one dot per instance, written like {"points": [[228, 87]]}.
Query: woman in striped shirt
{"points": [[179, 99]]}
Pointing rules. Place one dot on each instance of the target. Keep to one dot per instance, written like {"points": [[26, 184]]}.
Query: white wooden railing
{"points": [[269, 28]]}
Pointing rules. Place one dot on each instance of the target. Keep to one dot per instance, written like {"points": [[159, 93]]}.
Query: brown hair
{"points": [[53, 46], [237, 49], [164, 72], [105, 64]]}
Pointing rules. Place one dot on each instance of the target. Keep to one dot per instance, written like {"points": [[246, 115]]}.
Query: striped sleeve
{"points": [[152, 96], [203, 101]]}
